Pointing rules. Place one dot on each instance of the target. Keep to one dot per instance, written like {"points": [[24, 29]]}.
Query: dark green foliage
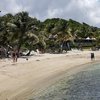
{"points": [[23, 31]]}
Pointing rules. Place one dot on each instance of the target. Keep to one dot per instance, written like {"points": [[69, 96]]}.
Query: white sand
{"points": [[24, 79]]}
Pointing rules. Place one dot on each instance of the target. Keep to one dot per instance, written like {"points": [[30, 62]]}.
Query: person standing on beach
{"points": [[92, 56], [14, 55]]}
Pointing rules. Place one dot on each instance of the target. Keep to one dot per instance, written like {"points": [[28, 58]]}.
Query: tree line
{"points": [[27, 33]]}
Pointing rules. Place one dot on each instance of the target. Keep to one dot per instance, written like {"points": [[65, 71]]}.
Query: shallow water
{"points": [[84, 85]]}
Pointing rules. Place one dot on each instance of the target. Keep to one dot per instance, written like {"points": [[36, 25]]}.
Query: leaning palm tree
{"points": [[32, 40], [23, 28]]}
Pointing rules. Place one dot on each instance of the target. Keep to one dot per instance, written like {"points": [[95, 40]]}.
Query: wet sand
{"points": [[84, 85], [25, 79]]}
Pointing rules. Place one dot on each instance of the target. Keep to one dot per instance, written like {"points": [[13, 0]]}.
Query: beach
{"points": [[27, 78]]}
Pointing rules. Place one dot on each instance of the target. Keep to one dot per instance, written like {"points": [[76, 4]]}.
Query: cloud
{"points": [[90, 10], [80, 10]]}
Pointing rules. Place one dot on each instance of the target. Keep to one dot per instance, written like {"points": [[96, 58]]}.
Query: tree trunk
{"points": [[28, 54]]}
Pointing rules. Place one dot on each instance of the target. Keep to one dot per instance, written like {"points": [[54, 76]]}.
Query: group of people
{"points": [[15, 55]]}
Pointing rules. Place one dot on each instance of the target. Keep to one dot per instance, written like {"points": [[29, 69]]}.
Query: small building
{"points": [[78, 43], [85, 42]]}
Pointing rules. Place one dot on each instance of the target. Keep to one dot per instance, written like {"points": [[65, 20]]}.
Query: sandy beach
{"points": [[24, 79]]}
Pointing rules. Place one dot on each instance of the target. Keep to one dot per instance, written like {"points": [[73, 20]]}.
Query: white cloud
{"points": [[54, 12], [81, 10], [91, 10]]}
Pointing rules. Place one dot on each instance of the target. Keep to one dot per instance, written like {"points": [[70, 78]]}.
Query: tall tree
{"points": [[23, 27]]}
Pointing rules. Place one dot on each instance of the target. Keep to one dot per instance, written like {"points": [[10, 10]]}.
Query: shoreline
{"points": [[64, 75], [63, 85], [26, 78]]}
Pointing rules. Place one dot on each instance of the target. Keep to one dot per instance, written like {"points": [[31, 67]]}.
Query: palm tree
{"points": [[23, 28], [32, 40]]}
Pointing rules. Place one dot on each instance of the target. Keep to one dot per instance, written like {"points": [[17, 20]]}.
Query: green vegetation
{"points": [[24, 32]]}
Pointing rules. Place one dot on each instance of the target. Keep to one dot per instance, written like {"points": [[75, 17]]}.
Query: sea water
{"points": [[85, 85]]}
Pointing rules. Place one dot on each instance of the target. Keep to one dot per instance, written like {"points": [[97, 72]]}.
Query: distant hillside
{"points": [[24, 32]]}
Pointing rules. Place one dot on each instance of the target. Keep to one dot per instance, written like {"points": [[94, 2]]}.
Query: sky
{"points": [[87, 11]]}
